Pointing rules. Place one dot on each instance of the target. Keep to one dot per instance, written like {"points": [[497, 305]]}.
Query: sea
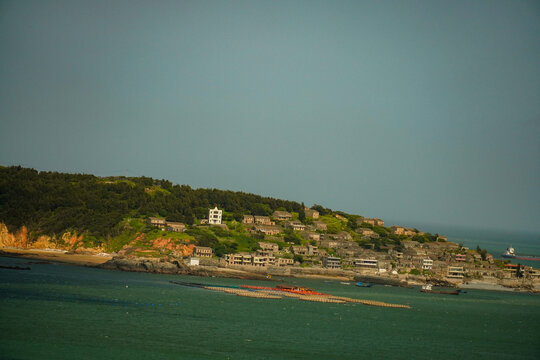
{"points": [[57, 311]]}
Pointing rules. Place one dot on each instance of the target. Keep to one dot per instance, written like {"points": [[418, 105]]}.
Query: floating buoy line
{"points": [[281, 291]]}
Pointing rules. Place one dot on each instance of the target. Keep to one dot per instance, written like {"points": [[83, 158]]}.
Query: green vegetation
{"points": [[51, 203], [112, 212], [333, 224]]}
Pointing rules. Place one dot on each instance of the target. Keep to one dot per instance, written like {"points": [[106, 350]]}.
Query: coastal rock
{"points": [[145, 265]]}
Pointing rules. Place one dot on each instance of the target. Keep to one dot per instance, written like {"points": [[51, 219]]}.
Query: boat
{"points": [[510, 254], [427, 288], [361, 284]]}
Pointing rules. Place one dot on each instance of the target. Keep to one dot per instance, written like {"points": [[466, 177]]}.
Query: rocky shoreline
{"points": [[176, 267]]}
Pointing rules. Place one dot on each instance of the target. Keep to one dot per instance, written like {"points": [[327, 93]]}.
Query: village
{"points": [[353, 251]]}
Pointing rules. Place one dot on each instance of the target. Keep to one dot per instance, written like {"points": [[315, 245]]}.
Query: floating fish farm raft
{"points": [[281, 291]]}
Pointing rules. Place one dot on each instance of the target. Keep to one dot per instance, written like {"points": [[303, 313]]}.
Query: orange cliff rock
{"points": [[19, 240]]}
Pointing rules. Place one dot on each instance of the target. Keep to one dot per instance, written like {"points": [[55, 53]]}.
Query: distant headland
{"points": [[144, 224]]}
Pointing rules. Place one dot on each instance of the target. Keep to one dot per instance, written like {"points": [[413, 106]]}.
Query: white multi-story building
{"points": [[427, 264], [214, 216]]}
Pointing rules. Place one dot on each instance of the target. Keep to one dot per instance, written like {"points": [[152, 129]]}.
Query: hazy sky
{"points": [[420, 111]]}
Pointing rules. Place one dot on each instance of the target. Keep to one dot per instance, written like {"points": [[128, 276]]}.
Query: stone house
{"points": [[157, 222], [319, 225], [329, 243], [239, 259], [331, 262], [455, 272], [296, 225], [284, 261], [312, 250], [259, 260], [282, 215], [267, 229], [372, 221], [263, 220], [266, 246], [409, 232], [248, 219], [176, 226], [366, 263], [299, 250], [314, 214], [397, 230], [202, 251], [342, 235], [311, 235], [366, 232]]}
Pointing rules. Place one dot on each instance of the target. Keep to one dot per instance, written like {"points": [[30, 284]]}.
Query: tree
{"points": [[302, 213]]}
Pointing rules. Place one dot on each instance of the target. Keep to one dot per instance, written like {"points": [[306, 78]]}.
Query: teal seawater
{"points": [[57, 311]]}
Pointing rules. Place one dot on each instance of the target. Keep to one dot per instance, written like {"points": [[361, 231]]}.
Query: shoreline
{"points": [[160, 266], [56, 256]]}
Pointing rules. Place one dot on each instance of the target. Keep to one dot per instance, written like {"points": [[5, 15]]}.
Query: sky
{"points": [[411, 111]]}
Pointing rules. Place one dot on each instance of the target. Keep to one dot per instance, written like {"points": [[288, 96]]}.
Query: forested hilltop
{"points": [[72, 211], [52, 202]]}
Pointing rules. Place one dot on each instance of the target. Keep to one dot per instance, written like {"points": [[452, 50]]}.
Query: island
{"points": [[149, 225]]}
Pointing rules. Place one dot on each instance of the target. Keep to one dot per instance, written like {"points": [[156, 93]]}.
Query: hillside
{"points": [[71, 211]]}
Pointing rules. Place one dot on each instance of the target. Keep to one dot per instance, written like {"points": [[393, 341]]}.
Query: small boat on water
{"points": [[361, 284], [427, 288], [510, 254]]}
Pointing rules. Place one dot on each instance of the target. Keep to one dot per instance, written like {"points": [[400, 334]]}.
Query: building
{"points": [[395, 254], [342, 235], [312, 250], [193, 261], [157, 222], [409, 232], [248, 219], [367, 263], [455, 272], [266, 246], [331, 262], [202, 251], [282, 215], [263, 220], [214, 216], [263, 260], [267, 229], [461, 257], [176, 226], [397, 230], [311, 235], [319, 225], [372, 221], [314, 214], [284, 261], [299, 250], [427, 264], [239, 259], [296, 225], [367, 232]]}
